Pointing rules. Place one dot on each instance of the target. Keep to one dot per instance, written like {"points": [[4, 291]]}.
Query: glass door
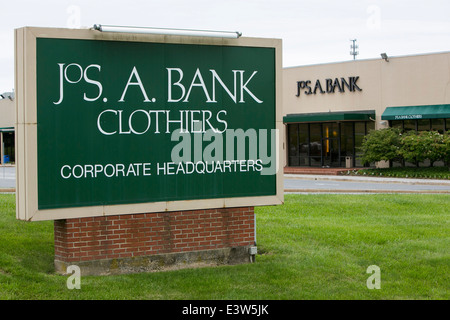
{"points": [[330, 152], [330, 145]]}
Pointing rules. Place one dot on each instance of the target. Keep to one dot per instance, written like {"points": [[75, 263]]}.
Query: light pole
{"points": [[353, 46]]}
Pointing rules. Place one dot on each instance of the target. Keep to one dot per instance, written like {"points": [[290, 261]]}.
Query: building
{"points": [[7, 137], [328, 108]]}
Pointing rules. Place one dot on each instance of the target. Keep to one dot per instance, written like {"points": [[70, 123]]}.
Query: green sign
{"points": [[123, 122]]}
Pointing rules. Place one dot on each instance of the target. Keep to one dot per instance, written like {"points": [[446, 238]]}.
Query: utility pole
{"points": [[353, 46]]}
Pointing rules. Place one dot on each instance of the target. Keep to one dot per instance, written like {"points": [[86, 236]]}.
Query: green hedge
{"points": [[391, 144]]}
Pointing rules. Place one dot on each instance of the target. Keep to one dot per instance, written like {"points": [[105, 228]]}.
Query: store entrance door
{"points": [[330, 144], [330, 152]]}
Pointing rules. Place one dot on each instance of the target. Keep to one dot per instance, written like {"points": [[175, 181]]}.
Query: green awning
{"points": [[438, 111], [365, 115]]}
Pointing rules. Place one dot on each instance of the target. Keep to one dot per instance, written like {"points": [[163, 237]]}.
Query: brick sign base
{"points": [[155, 241]]}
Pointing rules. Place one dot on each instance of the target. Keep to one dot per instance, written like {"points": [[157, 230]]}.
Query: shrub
{"points": [[391, 144], [446, 152], [412, 147], [431, 145], [435, 146], [383, 144]]}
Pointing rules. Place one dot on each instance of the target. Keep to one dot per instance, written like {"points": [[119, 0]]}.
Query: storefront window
{"points": [[423, 125], [370, 126], [8, 147], [326, 144], [303, 133], [293, 144], [315, 144], [347, 141], [438, 125], [409, 125], [397, 124], [360, 132]]}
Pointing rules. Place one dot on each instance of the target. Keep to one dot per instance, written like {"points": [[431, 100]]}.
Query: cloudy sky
{"points": [[312, 31]]}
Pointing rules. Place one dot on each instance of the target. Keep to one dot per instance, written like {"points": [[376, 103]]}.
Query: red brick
{"points": [[131, 235]]}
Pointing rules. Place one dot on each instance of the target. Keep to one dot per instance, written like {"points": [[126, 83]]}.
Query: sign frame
{"points": [[26, 126]]}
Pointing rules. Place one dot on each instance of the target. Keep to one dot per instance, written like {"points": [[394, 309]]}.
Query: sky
{"points": [[313, 32]]}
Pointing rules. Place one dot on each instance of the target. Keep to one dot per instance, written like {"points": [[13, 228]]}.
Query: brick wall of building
{"points": [[135, 235]]}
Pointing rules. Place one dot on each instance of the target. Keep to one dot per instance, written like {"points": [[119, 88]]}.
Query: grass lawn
{"points": [[312, 247]]}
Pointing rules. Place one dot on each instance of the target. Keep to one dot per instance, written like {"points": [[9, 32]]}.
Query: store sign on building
{"points": [[408, 116], [136, 124], [328, 86]]}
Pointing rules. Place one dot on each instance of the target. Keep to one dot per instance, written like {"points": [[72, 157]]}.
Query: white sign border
{"points": [[26, 127]]}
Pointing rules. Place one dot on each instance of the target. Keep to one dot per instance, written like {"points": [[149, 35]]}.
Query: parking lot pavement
{"points": [[356, 184], [7, 177]]}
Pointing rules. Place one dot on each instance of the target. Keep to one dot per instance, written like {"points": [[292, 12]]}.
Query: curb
{"points": [[365, 191]]}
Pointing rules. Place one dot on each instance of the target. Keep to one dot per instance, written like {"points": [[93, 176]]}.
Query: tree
{"points": [[412, 148], [434, 146], [383, 144]]}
